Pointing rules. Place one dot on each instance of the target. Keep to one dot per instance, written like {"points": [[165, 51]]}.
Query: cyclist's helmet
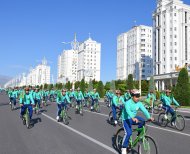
{"points": [[135, 92]]}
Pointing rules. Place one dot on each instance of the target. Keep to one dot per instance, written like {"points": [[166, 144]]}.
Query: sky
{"points": [[33, 29]]}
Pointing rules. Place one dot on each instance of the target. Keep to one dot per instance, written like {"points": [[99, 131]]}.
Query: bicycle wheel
{"points": [[27, 118], [180, 122], [65, 118], [147, 146], [119, 139], [162, 120], [110, 118], [156, 110]]}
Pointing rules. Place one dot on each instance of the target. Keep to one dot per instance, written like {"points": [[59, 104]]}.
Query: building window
{"points": [[170, 58], [175, 58]]}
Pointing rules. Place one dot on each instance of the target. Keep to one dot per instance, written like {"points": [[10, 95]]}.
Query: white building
{"points": [[67, 66], [134, 53], [37, 76], [83, 61], [89, 60], [171, 35]]}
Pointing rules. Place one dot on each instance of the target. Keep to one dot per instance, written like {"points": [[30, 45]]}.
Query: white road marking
{"points": [[83, 135]]}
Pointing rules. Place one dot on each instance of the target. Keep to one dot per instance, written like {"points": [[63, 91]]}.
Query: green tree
{"points": [[82, 85], [100, 89], [130, 82], [50, 86], [151, 84], [90, 86], [77, 84], [68, 85], [45, 86], [182, 89], [107, 86], [112, 86]]}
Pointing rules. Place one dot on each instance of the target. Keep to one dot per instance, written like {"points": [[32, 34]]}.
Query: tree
{"points": [[45, 86], [100, 89], [107, 86], [151, 84], [130, 82], [112, 86], [68, 85], [182, 89], [90, 86], [82, 85], [77, 84], [50, 86]]}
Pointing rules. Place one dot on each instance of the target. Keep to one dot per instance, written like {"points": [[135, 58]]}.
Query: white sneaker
{"points": [[123, 150], [91, 107], [165, 116], [76, 106], [10, 103], [173, 123], [115, 122], [57, 118]]}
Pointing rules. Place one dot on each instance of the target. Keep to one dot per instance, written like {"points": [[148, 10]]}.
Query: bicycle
{"points": [[164, 119], [12, 105], [36, 108], [44, 102], [26, 119], [96, 106], [79, 109], [157, 107], [146, 144], [118, 117], [64, 115]]}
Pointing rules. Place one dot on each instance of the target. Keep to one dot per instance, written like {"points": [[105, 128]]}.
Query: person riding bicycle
{"points": [[13, 97], [37, 97], [26, 101], [151, 98], [127, 95], [79, 97], [62, 100], [117, 102], [129, 117], [95, 97], [167, 100]]}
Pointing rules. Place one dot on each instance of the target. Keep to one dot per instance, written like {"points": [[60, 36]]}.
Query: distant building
{"points": [[82, 61], [37, 76], [134, 53], [89, 60], [171, 46]]}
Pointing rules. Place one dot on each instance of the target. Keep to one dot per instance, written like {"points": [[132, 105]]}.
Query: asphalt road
{"points": [[88, 134]]}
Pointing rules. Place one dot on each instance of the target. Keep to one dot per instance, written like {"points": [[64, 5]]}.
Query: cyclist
{"points": [[62, 100], [167, 100], [151, 97], [26, 101], [127, 95], [79, 97], [13, 97], [117, 102], [95, 97], [129, 117], [37, 97]]}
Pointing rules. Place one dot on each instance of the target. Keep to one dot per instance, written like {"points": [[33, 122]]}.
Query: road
{"points": [[88, 134]]}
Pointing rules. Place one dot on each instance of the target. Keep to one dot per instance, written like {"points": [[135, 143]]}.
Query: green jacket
{"points": [[131, 108]]}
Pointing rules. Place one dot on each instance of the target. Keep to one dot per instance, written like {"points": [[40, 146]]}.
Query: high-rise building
{"points": [[89, 60], [36, 76], [67, 66], [171, 35], [82, 61], [134, 53]]}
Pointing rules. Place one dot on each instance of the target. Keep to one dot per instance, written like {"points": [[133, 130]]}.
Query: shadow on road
{"points": [[4, 104], [35, 121], [187, 117]]}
